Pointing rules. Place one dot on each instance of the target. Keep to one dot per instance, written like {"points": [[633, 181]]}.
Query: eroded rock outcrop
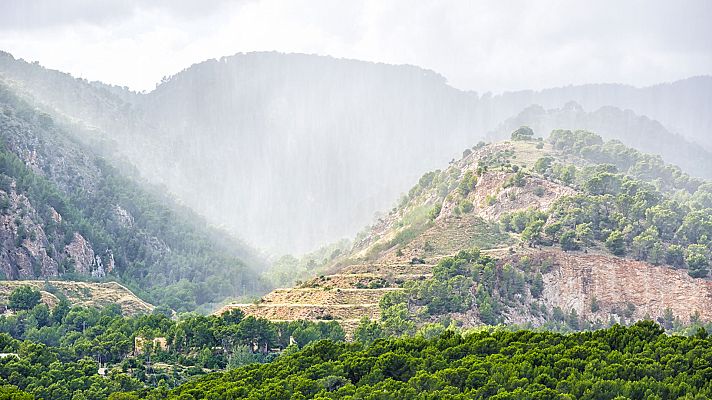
{"points": [[597, 286], [23, 243], [80, 252]]}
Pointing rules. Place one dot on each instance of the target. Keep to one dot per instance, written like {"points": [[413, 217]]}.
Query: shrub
{"points": [[24, 298]]}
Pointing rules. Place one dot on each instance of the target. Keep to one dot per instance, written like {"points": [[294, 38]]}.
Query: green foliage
{"points": [[627, 204], [496, 288], [24, 298], [625, 159], [524, 133], [490, 199], [435, 212], [634, 362], [58, 351], [515, 180], [568, 241], [287, 269], [697, 260], [616, 243], [537, 286], [428, 180], [675, 256], [466, 206], [467, 183], [166, 253], [368, 331]]}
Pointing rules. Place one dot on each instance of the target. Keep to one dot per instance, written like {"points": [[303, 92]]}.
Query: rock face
{"points": [[24, 245], [579, 280], [81, 254]]}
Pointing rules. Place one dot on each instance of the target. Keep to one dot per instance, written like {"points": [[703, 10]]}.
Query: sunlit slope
{"points": [[539, 274], [85, 294]]}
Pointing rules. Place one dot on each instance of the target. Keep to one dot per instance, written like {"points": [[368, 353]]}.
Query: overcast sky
{"points": [[478, 45]]}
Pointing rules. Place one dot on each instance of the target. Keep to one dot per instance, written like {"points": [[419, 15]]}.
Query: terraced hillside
{"points": [[84, 294], [347, 295], [396, 252], [568, 231]]}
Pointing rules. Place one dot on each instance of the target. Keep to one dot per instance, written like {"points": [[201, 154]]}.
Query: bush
{"points": [[523, 134], [24, 298], [697, 262], [568, 241], [616, 243]]}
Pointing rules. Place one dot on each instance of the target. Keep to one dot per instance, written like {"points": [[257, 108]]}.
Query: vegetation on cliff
{"points": [[125, 231]]}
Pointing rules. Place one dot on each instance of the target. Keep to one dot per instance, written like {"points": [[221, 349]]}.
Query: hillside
{"points": [[321, 143], [66, 212], [566, 233], [82, 294]]}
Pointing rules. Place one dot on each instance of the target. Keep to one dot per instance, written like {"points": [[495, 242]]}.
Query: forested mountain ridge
{"points": [[67, 213], [328, 127], [568, 233], [637, 131], [680, 106]]}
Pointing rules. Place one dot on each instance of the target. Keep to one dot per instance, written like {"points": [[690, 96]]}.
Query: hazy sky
{"points": [[484, 46]]}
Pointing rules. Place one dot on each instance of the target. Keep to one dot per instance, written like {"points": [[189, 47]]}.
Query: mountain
{"points": [[634, 130], [681, 106], [570, 233], [290, 151], [67, 213]]}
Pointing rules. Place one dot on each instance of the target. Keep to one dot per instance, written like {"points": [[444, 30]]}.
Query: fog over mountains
{"points": [[343, 138]]}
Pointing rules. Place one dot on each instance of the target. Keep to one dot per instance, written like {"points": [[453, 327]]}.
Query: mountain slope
{"points": [[67, 213], [565, 234], [290, 151], [83, 294]]}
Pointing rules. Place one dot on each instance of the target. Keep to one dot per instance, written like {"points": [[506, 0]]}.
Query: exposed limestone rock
{"points": [[514, 198], [577, 279], [110, 264], [81, 253], [123, 217], [56, 217], [431, 223], [98, 272], [23, 243]]}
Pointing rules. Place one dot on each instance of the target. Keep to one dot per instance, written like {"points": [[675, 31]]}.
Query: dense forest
{"points": [[56, 353], [636, 362], [82, 353]]}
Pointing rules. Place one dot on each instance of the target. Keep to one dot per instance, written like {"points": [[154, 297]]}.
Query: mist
{"points": [[291, 151]]}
